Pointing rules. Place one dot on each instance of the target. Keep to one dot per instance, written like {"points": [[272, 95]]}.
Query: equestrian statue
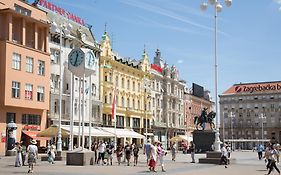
{"points": [[200, 121]]}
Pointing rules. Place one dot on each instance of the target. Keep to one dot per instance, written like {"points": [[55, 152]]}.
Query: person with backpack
{"points": [[136, 154], [32, 151], [128, 152]]}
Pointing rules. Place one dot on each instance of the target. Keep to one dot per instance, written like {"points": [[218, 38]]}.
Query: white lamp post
{"points": [[217, 8], [60, 28], [232, 115], [262, 116]]}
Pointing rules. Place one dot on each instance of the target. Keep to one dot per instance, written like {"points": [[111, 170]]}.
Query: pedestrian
{"points": [[51, 153], [94, 148], [109, 150], [136, 154], [160, 155], [101, 149], [192, 151], [32, 152], [224, 155], [267, 155], [260, 149], [147, 150], [119, 153], [23, 152], [173, 149], [18, 162], [153, 158], [128, 152], [274, 156]]}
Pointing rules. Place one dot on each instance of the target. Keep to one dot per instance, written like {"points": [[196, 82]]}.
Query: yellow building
{"points": [[129, 80]]}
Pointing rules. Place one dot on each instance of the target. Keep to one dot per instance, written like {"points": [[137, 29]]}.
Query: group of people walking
{"points": [[31, 153], [271, 156]]}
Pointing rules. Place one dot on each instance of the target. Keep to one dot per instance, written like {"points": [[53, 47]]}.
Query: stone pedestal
{"points": [[203, 140], [79, 158], [11, 153], [213, 158]]}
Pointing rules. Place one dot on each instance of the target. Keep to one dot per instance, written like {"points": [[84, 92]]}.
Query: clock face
{"points": [[90, 60], [76, 57]]}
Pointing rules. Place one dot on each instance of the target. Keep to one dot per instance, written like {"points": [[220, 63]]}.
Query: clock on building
{"points": [[90, 60], [76, 57]]}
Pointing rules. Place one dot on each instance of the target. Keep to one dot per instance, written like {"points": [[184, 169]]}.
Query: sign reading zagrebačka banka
{"points": [[61, 11], [258, 88]]}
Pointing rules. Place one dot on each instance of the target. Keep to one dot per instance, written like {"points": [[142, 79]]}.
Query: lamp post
{"points": [[217, 8], [232, 115], [60, 28], [262, 116]]}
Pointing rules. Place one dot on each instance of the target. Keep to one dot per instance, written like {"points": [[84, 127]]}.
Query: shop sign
{"points": [[31, 127], [56, 9], [257, 88]]}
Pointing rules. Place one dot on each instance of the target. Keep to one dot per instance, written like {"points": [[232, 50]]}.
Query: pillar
{"points": [[23, 32]]}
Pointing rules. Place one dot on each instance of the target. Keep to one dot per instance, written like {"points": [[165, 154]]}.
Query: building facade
{"points": [[74, 35], [251, 114], [167, 100], [24, 70], [126, 79]]}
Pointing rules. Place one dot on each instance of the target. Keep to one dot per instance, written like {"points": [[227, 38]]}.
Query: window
{"points": [[133, 86], [29, 64], [10, 117], [122, 82], [16, 61], [105, 99], [31, 119], [128, 102], [138, 87], [41, 67], [139, 105], [28, 91], [110, 98], [40, 93], [122, 101], [128, 121], [15, 89], [75, 106], [136, 122], [116, 81], [128, 84], [94, 90], [134, 107], [55, 56]]}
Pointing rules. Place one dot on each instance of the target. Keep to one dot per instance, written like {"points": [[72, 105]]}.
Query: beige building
{"points": [[251, 113], [24, 69], [128, 79]]}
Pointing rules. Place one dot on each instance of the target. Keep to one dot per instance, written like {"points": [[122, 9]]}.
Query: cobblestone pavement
{"points": [[246, 163]]}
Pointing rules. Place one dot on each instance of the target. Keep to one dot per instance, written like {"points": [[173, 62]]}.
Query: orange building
{"points": [[24, 69]]}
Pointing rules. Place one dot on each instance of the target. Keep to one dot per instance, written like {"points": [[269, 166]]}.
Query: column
{"points": [[23, 32], [10, 27], [36, 36]]}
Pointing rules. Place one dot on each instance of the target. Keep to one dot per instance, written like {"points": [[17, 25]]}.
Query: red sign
{"points": [[61, 11], [3, 139], [31, 127]]}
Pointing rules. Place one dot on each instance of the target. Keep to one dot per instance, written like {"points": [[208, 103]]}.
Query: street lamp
{"points": [[62, 28], [232, 115], [262, 116], [217, 8]]}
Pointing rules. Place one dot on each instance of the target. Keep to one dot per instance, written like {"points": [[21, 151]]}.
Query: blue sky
{"points": [[249, 44]]}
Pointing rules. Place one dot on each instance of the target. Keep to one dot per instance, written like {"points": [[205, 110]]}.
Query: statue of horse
{"points": [[204, 118]]}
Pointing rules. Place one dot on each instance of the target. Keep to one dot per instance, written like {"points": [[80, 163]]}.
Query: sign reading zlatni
{"points": [[258, 88], [61, 11]]}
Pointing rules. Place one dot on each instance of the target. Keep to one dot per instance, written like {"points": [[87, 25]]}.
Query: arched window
{"points": [[128, 84], [133, 103], [123, 82], [122, 101], [128, 102]]}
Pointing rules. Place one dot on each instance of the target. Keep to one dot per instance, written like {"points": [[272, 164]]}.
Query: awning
{"points": [[148, 134], [95, 132], [122, 133], [33, 135]]}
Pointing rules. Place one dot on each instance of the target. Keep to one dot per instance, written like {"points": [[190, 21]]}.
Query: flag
{"points": [[113, 114]]}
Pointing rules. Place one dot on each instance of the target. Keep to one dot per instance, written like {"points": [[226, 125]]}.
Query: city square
{"points": [[245, 163], [185, 87]]}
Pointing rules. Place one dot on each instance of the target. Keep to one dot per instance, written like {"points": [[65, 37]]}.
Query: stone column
{"points": [[10, 27], [36, 36], [23, 32]]}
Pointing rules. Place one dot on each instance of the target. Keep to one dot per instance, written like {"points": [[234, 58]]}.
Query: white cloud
{"points": [[277, 1], [180, 61]]}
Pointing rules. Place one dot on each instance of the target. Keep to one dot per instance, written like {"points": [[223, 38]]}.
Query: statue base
{"points": [[204, 140], [11, 153], [214, 158], [80, 157]]}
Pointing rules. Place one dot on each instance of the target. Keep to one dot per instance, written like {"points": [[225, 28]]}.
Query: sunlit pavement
{"points": [[246, 163]]}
